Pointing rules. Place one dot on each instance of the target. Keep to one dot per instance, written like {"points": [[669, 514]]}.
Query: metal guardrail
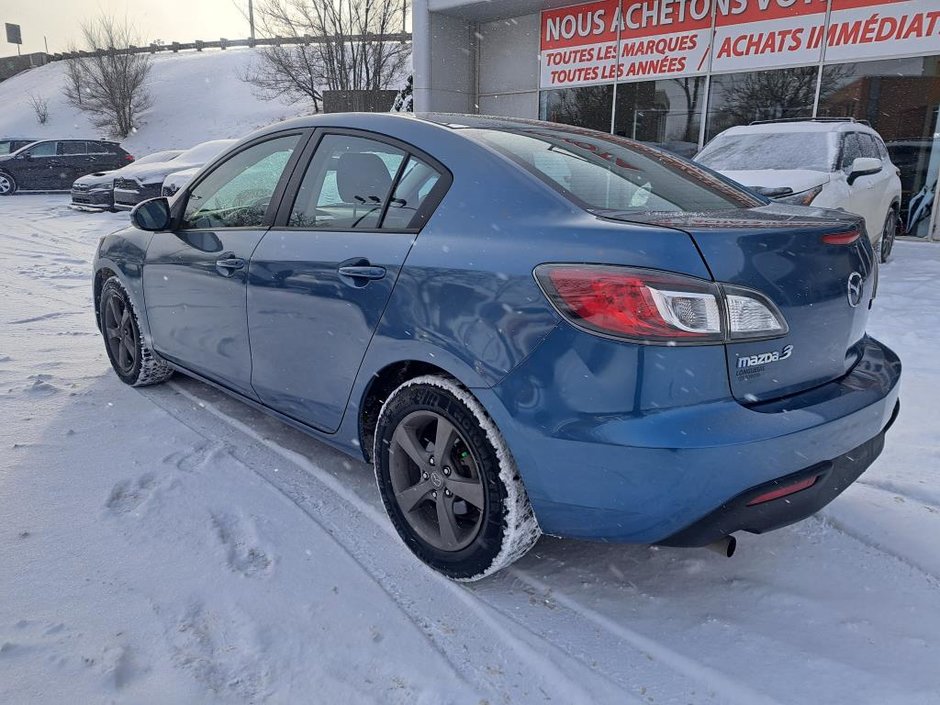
{"points": [[199, 45]]}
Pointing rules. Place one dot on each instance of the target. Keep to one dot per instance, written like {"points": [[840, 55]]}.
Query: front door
{"points": [[319, 281], [194, 278], [35, 171]]}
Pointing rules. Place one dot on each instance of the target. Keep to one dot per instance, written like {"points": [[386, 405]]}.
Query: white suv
{"points": [[829, 163]]}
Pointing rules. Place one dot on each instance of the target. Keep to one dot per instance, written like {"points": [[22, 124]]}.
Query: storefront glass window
{"points": [[588, 106], [900, 99], [665, 113], [742, 98]]}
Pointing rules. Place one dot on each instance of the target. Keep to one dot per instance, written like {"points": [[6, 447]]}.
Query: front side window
{"points": [[609, 174], [851, 150], [71, 148], [237, 193], [43, 149], [347, 184]]}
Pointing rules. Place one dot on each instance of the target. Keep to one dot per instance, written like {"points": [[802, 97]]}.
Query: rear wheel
{"points": [[132, 359], [448, 481], [7, 184], [888, 233]]}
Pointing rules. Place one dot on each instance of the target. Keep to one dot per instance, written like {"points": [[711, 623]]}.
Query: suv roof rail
{"points": [[810, 119]]}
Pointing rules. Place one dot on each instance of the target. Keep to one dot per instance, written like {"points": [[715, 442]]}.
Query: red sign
{"points": [[626, 40]]}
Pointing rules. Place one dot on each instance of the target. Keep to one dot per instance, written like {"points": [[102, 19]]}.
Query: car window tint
{"points": [[71, 148], [236, 194], [101, 148], [43, 149], [7, 147], [851, 150], [347, 184], [415, 184], [607, 173]]}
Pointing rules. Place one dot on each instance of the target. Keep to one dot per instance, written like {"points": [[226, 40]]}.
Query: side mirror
{"points": [[863, 166], [152, 214], [26, 155]]}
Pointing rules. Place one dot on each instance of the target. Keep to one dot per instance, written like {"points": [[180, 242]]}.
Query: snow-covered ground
{"points": [[170, 545], [197, 96]]}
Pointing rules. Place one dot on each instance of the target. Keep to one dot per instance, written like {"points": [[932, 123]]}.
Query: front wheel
{"points": [[7, 185], [132, 359], [448, 481], [888, 233]]}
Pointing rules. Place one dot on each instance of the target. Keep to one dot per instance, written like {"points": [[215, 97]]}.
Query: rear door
{"points": [[195, 277], [73, 160], [321, 278]]}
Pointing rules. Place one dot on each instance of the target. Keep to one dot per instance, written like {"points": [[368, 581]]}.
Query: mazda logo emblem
{"points": [[855, 289]]}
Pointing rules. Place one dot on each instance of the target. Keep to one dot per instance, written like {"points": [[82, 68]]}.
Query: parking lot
{"points": [[174, 545]]}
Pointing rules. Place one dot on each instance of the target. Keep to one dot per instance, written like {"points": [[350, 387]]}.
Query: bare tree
{"points": [[347, 47], [107, 84], [40, 107]]}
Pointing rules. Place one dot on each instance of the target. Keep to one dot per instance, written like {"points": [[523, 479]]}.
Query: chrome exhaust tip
{"points": [[725, 546]]}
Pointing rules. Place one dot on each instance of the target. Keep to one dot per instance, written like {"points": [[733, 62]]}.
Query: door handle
{"points": [[227, 266], [366, 271]]}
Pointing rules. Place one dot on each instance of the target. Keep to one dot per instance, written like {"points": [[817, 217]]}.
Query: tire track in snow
{"points": [[364, 554], [731, 691]]}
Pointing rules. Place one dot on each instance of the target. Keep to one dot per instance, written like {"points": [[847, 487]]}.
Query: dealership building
{"points": [[678, 72]]}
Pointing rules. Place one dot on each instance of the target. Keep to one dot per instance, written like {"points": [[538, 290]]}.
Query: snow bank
{"points": [[196, 97]]}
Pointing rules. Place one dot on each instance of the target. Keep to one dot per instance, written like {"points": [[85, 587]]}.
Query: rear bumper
{"points": [[651, 475], [746, 512]]}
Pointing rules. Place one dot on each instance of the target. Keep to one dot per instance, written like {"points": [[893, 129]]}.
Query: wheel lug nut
{"points": [[431, 461], [446, 470], [434, 495], [447, 493], [424, 476]]}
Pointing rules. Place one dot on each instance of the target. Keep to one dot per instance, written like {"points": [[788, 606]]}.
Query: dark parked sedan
{"points": [[53, 165], [139, 185], [96, 191], [525, 327]]}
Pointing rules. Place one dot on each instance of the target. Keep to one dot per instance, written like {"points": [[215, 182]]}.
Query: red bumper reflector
{"points": [[846, 238], [784, 491]]}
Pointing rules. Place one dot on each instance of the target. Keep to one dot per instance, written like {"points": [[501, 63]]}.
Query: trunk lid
{"points": [[778, 250]]}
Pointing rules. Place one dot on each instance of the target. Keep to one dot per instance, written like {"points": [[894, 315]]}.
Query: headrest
{"points": [[362, 177]]}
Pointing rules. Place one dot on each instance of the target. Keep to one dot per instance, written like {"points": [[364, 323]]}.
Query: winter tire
{"points": [[887, 234], [448, 481], [7, 184], [132, 359]]}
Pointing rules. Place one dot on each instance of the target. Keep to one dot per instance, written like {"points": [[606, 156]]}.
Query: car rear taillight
{"points": [[128, 158], [843, 238], [652, 306]]}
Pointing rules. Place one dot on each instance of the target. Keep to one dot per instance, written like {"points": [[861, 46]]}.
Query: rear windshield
{"points": [[814, 151], [607, 174]]}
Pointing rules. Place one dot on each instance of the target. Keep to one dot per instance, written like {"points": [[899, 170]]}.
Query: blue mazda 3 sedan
{"points": [[525, 327]]}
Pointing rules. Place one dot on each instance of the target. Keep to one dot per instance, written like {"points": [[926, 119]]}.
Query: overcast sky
{"points": [[169, 20]]}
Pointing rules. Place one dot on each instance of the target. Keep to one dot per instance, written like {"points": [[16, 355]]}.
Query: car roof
{"points": [[800, 126]]}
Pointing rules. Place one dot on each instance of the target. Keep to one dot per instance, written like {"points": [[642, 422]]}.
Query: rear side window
{"points": [[417, 182], [237, 193], [43, 149], [604, 173], [101, 148], [347, 184], [71, 148]]}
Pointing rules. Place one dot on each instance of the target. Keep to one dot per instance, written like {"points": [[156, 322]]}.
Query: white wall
{"points": [[508, 77]]}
